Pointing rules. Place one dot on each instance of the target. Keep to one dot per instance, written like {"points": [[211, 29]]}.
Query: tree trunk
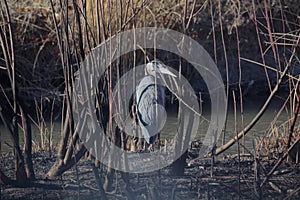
{"points": [[182, 140], [7, 45], [60, 167], [27, 144]]}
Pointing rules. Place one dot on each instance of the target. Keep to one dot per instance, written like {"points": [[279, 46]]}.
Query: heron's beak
{"points": [[166, 71]]}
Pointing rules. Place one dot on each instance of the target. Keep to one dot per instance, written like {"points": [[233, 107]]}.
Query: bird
{"points": [[150, 100]]}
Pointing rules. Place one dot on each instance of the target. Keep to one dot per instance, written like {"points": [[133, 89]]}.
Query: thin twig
{"points": [[291, 131], [238, 144], [279, 162], [262, 110], [226, 66]]}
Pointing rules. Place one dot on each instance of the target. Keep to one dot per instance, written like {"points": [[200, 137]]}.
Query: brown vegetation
{"points": [[43, 44]]}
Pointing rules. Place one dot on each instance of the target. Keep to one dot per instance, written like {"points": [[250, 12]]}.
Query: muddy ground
{"points": [[196, 183]]}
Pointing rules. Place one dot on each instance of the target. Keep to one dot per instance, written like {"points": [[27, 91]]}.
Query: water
{"points": [[52, 131], [40, 137], [250, 110]]}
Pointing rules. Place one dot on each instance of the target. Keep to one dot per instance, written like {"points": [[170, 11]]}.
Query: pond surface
{"points": [[251, 107]]}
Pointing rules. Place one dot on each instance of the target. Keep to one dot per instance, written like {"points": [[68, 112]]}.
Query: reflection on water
{"points": [[50, 132], [258, 130], [171, 126]]}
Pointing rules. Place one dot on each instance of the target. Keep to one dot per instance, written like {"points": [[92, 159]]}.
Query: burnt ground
{"points": [[196, 183]]}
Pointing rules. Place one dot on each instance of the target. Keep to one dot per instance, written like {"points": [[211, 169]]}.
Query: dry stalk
{"points": [[264, 107]]}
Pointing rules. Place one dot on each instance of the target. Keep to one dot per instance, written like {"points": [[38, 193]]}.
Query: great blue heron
{"points": [[150, 100]]}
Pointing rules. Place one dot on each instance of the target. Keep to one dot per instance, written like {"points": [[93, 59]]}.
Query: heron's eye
{"points": [[155, 62]]}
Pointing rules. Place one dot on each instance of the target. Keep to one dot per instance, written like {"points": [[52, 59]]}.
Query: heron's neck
{"points": [[158, 79]]}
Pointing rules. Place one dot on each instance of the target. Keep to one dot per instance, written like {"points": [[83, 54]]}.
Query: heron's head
{"points": [[155, 67]]}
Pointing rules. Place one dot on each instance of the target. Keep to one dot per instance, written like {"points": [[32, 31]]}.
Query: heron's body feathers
{"points": [[150, 107], [150, 100]]}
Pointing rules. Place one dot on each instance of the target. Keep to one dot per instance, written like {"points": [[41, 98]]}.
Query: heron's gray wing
{"points": [[145, 105], [150, 110]]}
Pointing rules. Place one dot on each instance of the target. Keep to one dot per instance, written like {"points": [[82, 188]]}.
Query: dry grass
{"points": [[51, 42], [38, 54]]}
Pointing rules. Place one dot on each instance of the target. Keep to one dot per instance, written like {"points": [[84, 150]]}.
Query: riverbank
{"points": [[227, 178], [252, 44]]}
